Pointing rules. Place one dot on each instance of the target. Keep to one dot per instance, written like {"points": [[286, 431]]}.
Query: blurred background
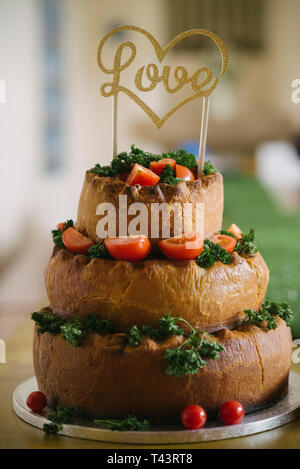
{"points": [[54, 124]]}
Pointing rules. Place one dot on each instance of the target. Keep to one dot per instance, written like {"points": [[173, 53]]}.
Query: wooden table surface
{"points": [[14, 433]]}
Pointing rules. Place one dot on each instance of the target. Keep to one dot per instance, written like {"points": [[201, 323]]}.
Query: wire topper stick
{"points": [[202, 81]]}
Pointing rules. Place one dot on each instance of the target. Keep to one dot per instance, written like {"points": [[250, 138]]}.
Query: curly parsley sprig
{"points": [[124, 161], [168, 176], [212, 253], [188, 357], [58, 233], [227, 233], [181, 157], [247, 245], [58, 418], [98, 250], [131, 423], [72, 331], [267, 314], [166, 327], [209, 168]]}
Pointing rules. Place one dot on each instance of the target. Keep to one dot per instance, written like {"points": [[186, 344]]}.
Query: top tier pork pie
{"points": [[144, 325]]}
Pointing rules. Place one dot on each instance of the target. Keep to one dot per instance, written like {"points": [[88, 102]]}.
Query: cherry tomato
{"points": [[76, 242], [183, 248], [61, 226], [184, 173], [232, 412], [142, 176], [234, 229], [158, 166], [193, 417], [128, 248], [36, 401], [226, 242]]}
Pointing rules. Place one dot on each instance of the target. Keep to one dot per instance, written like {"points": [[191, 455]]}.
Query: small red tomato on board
{"points": [[225, 241], [76, 242], [182, 248], [158, 166], [235, 230], [128, 248], [184, 173], [142, 176], [61, 226], [193, 417], [36, 401], [232, 412]]}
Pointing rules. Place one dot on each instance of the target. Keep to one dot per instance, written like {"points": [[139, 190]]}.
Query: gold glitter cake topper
{"points": [[199, 87]]}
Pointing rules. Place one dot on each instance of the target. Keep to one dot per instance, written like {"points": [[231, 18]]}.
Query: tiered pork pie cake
{"points": [[108, 375]]}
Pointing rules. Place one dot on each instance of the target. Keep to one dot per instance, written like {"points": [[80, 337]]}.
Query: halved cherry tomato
{"points": [[158, 166], [184, 173], [76, 242], [128, 248], [61, 226], [143, 176], [234, 229], [225, 241], [183, 248]]}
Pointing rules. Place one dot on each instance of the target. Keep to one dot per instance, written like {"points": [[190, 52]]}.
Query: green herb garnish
{"points": [[123, 162], [268, 313], [168, 176], [247, 245], [227, 233], [58, 418], [131, 423], [73, 330], [188, 358], [98, 250], [57, 234], [48, 322], [100, 326], [182, 157], [166, 327], [209, 168], [134, 336], [212, 253]]}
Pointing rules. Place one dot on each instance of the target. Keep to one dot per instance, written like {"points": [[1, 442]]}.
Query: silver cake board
{"points": [[285, 411]]}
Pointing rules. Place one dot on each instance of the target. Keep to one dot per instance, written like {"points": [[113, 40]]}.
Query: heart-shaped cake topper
{"points": [[200, 87], [181, 76]]}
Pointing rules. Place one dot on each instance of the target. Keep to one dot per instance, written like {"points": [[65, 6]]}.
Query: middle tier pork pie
{"points": [[104, 376]]}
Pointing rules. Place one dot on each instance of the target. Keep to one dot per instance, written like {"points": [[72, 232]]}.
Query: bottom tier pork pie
{"points": [[105, 377]]}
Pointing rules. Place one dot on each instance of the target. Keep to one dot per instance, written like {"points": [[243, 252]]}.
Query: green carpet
{"points": [[248, 205]]}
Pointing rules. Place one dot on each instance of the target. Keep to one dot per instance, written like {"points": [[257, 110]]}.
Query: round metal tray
{"points": [[283, 412]]}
